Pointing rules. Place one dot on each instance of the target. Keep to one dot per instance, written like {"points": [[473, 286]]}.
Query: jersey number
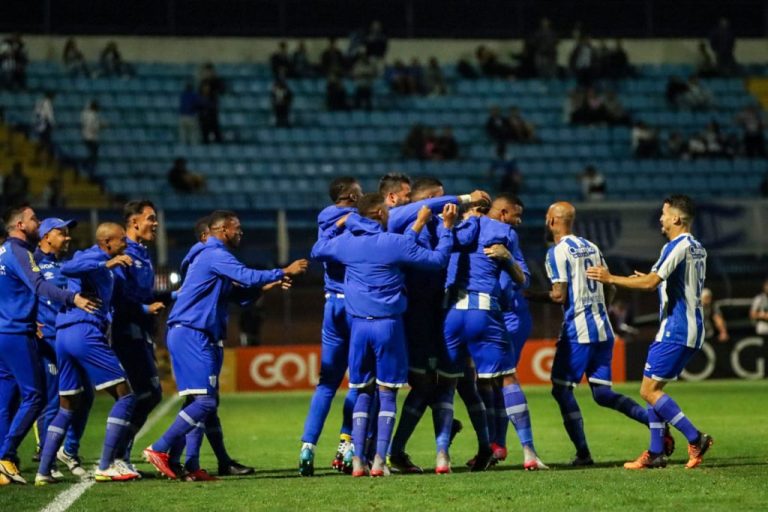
{"points": [[591, 284], [699, 268]]}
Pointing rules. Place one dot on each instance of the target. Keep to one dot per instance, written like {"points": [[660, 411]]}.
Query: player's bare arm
{"points": [[638, 281], [556, 295]]}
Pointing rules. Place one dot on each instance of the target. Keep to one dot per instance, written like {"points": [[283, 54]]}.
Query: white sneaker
{"points": [[126, 468], [534, 464], [72, 462], [55, 473], [112, 474], [41, 480], [442, 463]]}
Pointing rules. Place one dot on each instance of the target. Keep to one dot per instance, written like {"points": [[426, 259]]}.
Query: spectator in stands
{"points": [[600, 61], [621, 318], [376, 42], [13, 63], [466, 70], [489, 64], [593, 184], [446, 147], [714, 321], [582, 61], [758, 313], [16, 186], [45, 120], [723, 43], [696, 97], [189, 105], [591, 110], [364, 73], [705, 65], [752, 122], [544, 47], [497, 128], [208, 76], [280, 61], [282, 99], [415, 143], [53, 195], [677, 147], [208, 115], [675, 91], [91, 125], [111, 62], [74, 60], [511, 180], [332, 59], [645, 141], [398, 78], [184, 181], [614, 110], [416, 76], [520, 130], [617, 62], [335, 94], [302, 68], [434, 81], [710, 143]]}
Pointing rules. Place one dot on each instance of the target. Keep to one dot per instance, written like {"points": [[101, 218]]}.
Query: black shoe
{"points": [[234, 468], [483, 460], [456, 427]]}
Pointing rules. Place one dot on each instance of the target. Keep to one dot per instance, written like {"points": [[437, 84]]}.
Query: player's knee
{"points": [[206, 402], [128, 401], [603, 395]]}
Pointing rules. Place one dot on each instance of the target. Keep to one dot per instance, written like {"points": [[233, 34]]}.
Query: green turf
{"points": [[263, 430]]}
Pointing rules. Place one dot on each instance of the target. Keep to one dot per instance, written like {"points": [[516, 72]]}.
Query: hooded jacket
{"points": [[134, 288], [334, 272], [87, 274], [47, 309]]}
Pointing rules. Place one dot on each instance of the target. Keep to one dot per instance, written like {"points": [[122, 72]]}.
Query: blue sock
{"points": [[607, 397], [469, 394], [349, 406], [518, 413], [489, 402], [413, 409], [386, 423], [79, 422], [118, 423], [187, 419], [443, 407], [502, 420], [194, 440], [215, 436], [53, 437], [669, 411], [656, 425], [574, 423], [360, 422]]}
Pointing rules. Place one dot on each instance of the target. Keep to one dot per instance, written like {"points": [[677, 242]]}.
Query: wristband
{"points": [[465, 199]]}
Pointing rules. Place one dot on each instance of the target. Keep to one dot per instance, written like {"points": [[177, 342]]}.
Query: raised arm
{"points": [[228, 266], [33, 278]]}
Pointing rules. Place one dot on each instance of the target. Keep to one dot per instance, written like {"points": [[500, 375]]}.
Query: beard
{"points": [[549, 237]]}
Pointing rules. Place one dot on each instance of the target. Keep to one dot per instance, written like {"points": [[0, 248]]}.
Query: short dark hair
{"points": [[392, 182], [201, 226], [132, 208], [425, 182], [369, 203], [220, 216], [684, 204], [339, 188], [11, 213], [511, 198]]}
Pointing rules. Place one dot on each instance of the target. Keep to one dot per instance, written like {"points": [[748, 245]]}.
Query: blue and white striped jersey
{"points": [[585, 312], [682, 268]]}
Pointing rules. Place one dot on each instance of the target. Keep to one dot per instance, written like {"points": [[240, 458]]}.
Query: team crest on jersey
{"points": [[48, 276], [138, 264], [2, 270], [212, 380]]}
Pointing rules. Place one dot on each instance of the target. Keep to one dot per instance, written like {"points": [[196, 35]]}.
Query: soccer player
{"points": [[374, 298], [85, 358], [474, 327], [585, 346], [196, 324], [136, 305], [678, 276], [54, 244], [334, 352], [396, 189], [21, 282]]}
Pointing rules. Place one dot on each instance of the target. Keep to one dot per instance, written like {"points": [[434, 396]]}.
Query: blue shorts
{"points": [[85, 358], [666, 361], [573, 360], [334, 351], [195, 360], [424, 333], [481, 335], [519, 328], [377, 352], [138, 358]]}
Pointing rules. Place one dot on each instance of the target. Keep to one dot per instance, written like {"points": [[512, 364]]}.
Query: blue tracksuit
{"points": [[198, 319], [517, 316], [474, 324], [21, 282], [374, 293], [82, 350]]}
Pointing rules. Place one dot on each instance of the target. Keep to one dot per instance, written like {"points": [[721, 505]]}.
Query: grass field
{"points": [[263, 430]]}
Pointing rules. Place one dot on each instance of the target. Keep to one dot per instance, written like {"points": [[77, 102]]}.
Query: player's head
{"points": [[201, 229], [374, 207], [345, 190], [426, 188], [21, 222], [225, 225], [676, 215], [706, 296], [54, 235], [559, 220], [396, 188], [507, 208], [140, 220], [110, 236]]}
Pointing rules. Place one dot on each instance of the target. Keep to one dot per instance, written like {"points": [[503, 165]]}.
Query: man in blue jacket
{"points": [[54, 244], [21, 282], [85, 358], [334, 352], [198, 321], [375, 300]]}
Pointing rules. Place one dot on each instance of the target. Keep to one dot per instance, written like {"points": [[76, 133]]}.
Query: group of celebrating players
{"points": [[421, 288]]}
